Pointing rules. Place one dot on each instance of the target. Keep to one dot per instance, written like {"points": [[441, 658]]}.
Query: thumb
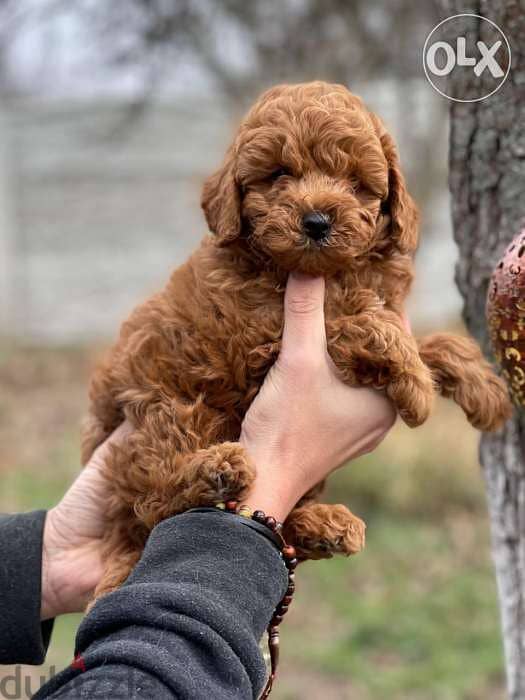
{"points": [[304, 313]]}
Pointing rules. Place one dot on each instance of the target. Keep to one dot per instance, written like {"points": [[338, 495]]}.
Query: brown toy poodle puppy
{"points": [[312, 183]]}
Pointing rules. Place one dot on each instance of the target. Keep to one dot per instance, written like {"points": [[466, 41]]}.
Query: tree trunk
{"points": [[487, 183]]}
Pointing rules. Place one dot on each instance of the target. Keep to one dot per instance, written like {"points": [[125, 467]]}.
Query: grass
{"points": [[414, 617], [408, 619]]}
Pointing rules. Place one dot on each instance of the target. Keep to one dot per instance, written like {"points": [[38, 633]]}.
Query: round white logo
{"points": [[479, 67]]}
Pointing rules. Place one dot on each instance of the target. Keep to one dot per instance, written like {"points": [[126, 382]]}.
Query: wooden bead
{"points": [[259, 516], [291, 578], [270, 522], [290, 590], [245, 511], [276, 619], [282, 609], [287, 600], [273, 648], [289, 552], [273, 643], [231, 506], [291, 563]]}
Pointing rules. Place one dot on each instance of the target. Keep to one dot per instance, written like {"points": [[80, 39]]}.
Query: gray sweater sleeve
{"points": [[23, 638], [187, 622]]}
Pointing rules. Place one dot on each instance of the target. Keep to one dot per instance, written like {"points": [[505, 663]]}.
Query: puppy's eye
{"points": [[279, 172]]}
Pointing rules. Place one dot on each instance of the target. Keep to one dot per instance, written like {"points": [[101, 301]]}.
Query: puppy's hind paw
{"points": [[318, 531]]}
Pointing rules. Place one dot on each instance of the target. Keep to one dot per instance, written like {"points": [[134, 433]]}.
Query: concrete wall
{"points": [[90, 223]]}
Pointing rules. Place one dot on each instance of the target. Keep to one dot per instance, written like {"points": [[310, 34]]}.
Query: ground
{"points": [[414, 617]]}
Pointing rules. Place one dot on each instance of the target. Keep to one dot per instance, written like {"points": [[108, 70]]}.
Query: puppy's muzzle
{"points": [[316, 225]]}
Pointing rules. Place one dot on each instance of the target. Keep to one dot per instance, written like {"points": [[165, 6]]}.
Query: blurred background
{"points": [[111, 116]]}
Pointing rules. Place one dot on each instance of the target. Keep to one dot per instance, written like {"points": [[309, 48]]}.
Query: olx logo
{"points": [[460, 58], [480, 68]]}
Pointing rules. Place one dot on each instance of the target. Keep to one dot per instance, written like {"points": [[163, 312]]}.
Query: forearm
{"points": [[23, 638], [188, 620]]}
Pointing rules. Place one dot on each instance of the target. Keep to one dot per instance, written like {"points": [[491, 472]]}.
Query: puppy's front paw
{"points": [[219, 473], [318, 531], [413, 395], [486, 406]]}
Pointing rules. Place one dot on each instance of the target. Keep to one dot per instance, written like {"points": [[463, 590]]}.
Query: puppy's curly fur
{"points": [[190, 360]]}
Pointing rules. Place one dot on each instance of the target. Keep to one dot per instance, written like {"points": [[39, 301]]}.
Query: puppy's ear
{"points": [[398, 205], [221, 202]]}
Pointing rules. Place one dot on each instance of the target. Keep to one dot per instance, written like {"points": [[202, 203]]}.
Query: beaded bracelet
{"points": [[271, 529]]}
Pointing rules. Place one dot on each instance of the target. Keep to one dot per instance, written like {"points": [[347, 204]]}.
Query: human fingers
{"points": [[117, 437], [304, 326]]}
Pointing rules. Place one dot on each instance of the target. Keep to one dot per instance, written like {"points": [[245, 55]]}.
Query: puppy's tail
{"points": [[461, 372]]}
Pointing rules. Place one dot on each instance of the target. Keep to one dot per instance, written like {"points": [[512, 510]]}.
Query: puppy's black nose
{"points": [[316, 225]]}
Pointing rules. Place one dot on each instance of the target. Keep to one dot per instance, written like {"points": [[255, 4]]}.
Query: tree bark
{"points": [[487, 184]]}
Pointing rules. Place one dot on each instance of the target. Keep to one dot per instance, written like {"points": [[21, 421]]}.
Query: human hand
{"points": [[72, 542], [305, 422]]}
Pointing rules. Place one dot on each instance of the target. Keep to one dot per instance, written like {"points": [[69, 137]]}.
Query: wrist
{"points": [[275, 490], [63, 589], [275, 502], [49, 605]]}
